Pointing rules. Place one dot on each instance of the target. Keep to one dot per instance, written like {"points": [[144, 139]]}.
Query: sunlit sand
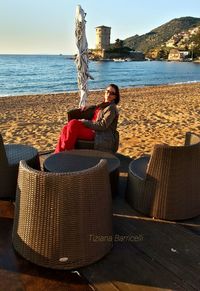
{"points": [[148, 115]]}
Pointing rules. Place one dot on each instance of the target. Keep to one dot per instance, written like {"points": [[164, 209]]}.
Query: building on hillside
{"points": [[153, 54], [194, 31], [103, 37], [176, 55]]}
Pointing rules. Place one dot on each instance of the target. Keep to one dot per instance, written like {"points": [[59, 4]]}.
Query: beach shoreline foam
{"points": [[148, 115]]}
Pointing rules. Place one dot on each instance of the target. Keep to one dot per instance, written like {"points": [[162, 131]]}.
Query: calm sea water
{"points": [[31, 74]]}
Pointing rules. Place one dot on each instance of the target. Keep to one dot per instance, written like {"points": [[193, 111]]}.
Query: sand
{"points": [[148, 115]]}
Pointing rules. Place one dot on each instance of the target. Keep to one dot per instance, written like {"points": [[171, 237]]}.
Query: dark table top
{"points": [[17, 152], [77, 160]]}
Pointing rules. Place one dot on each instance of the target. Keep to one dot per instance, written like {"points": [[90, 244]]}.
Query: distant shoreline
{"points": [[100, 89]]}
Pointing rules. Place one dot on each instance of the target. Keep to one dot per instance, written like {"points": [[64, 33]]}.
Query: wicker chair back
{"points": [[61, 218], [167, 186], [173, 176]]}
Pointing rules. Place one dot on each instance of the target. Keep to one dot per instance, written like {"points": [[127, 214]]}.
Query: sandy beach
{"points": [[148, 115]]}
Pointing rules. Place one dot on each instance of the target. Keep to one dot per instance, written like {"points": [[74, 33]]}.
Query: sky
{"points": [[47, 26]]}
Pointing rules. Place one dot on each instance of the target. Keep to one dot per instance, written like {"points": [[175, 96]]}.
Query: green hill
{"points": [[161, 34]]}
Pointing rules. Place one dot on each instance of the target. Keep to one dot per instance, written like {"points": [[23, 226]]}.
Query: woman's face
{"points": [[110, 94]]}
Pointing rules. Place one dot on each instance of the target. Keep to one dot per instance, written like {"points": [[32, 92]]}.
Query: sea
{"points": [[38, 74]]}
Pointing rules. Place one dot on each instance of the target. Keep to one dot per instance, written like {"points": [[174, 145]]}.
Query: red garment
{"points": [[96, 112], [72, 131]]}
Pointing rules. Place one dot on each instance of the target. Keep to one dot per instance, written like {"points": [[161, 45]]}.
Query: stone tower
{"points": [[103, 37]]}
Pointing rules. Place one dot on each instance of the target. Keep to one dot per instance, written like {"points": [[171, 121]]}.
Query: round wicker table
{"points": [[77, 160]]}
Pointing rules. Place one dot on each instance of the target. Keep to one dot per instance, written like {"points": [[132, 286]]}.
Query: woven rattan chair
{"points": [[63, 220], [167, 185], [10, 156], [87, 114]]}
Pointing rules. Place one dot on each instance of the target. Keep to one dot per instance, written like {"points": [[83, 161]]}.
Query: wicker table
{"points": [[77, 160]]}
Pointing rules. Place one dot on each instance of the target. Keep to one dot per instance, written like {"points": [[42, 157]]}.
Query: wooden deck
{"points": [[147, 255]]}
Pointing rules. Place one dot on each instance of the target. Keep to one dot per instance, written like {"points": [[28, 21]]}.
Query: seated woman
{"points": [[101, 128]]}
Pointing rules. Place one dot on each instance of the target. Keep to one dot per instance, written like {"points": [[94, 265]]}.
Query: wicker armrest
{"points": [[81, 114], [74, 114], [191, 138]]}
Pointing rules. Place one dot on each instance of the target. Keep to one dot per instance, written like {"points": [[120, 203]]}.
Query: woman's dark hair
{"points": [[117, 95]]}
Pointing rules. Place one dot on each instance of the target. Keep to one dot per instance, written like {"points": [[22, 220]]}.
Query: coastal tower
{"points": [[103, 37]]}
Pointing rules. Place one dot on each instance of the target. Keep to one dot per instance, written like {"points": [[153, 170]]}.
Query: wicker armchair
{"points": [[63, 220], [87, 114], [10, 156], [167, 185]]}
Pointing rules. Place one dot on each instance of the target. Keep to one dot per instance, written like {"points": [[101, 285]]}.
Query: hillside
{"points": [[161, 34]]}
